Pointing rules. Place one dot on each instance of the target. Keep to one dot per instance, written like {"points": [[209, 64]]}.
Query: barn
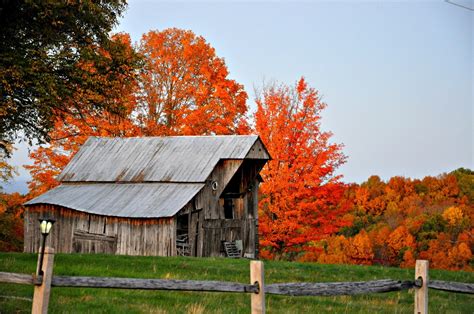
{"points": [[164, 196]]}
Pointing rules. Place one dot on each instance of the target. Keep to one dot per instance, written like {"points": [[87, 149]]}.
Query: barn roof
{"points": [[133, 200], [154, 159], [149, 177]]}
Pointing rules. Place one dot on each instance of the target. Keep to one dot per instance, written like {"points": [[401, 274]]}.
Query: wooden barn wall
{"points": [[210, 225], [78, 232]]}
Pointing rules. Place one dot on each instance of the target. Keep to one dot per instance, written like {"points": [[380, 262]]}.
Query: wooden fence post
{"points": [[42, 292], [421, 293], [257, 276]]}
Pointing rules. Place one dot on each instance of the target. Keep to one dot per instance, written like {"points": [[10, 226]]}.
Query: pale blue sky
{"points": [[397, 76]]}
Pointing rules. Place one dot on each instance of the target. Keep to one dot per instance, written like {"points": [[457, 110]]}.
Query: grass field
{"points": [[17, 298]]}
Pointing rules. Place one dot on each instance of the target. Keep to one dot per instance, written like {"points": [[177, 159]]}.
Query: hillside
{"points": [[134, 301]]}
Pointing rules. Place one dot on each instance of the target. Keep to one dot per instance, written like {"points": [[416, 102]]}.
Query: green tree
{"points": [[465, 178], [56, 59]]}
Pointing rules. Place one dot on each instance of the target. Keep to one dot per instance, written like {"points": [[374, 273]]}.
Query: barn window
{"points": [[228, 208]]}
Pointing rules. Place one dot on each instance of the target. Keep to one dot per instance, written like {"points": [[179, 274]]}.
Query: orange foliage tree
{"points": [[299, 196], [11, 222], [399, 241], [360, 250], [72, 130], [185, 89], [334, 251]]}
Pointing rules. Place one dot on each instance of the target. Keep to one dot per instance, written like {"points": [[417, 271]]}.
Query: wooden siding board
{"points": [[208, 198]]}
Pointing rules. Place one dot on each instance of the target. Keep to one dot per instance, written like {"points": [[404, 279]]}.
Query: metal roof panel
{"points": [[154, 159], [131, 200]]}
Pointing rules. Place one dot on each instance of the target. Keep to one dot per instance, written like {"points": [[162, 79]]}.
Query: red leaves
{"points": [[185, 89], [300, 194]]}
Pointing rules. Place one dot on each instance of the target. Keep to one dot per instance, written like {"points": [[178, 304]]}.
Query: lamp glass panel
{"points": [[48, 226], [43, 226]]}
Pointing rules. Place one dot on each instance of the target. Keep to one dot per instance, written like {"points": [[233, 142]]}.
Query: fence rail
{"points": [[451, 286], [290, 289], [257, 289], [338, 288], [152, 284], [23, 279]]}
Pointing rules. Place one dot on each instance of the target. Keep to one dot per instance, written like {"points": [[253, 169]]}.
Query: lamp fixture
{"points": [[45, 227]]}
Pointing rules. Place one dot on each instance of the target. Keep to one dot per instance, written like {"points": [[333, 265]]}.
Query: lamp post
{"points": [[45, 226]]}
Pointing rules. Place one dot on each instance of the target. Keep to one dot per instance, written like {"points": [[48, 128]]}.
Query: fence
{"points": [[257, 289]]}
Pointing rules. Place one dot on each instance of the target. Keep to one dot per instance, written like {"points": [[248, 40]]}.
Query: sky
{"points": [[397, 76]]}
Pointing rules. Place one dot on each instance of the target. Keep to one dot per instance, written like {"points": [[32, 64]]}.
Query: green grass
{"points": [[137, 301]]}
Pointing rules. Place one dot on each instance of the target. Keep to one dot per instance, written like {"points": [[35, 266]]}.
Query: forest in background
{"points": [[396, 222], [80, 81]]}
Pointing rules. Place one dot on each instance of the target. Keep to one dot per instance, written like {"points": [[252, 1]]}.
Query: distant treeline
{"points": [[396, 222]]}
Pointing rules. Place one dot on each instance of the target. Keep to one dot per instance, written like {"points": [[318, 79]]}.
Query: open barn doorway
{"points": [[182, 235]]}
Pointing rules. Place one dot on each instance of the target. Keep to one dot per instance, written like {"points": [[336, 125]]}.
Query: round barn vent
{"points": [[214, 185]]}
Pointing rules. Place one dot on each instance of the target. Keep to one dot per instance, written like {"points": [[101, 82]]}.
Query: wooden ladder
{"points": [[231, 250]]}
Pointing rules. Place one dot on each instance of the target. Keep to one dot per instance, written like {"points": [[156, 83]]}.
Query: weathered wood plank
{"points": [[337, 288], [151, 284], [460, 287], [83, 235], [222, 223], [23, 279]]}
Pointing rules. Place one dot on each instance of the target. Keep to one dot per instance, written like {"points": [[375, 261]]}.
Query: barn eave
{"points": [[132, 200]]}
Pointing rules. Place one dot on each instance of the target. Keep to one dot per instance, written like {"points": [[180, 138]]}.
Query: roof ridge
{"points": [[175, 136]]}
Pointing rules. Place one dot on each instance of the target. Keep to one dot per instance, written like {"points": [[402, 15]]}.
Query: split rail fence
{"points": [[257, 288]]}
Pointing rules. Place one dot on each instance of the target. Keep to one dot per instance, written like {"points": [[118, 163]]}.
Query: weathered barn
{"points": [[155, 196]]}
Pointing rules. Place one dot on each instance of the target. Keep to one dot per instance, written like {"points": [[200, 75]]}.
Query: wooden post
{"points": [[257, 276], [421, 294], [42, 292]]}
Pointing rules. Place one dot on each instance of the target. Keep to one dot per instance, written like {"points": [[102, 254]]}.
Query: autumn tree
{"points": [[11, 222], [398, 241], [73, 129], [182, 90], [334, 251], [360, 249], [185, 89], [46, 49], [300, 195]]}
